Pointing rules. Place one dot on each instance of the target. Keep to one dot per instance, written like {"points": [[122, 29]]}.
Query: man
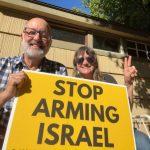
{"points": [[36, 41]]}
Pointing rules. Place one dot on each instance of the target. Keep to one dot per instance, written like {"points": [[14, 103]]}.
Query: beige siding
{"points": [[9, 45], [63, 56], [70, 71], [11, 26], [11, 22], [111, 65]]}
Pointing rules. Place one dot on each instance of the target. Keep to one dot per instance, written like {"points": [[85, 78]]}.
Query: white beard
{"points": [[32, 53]]}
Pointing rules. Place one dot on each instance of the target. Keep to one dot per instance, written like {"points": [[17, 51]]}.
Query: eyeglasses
{"points": [[32, 33], [89, 59]]}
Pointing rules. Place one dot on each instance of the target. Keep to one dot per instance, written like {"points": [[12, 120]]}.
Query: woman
{"points": [[86, 66]]}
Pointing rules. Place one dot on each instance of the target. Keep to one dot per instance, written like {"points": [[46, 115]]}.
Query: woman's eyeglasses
{"points": [[89, 59]]}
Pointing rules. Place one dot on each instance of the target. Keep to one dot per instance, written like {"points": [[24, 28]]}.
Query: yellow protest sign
{"points": [[58, 112]]}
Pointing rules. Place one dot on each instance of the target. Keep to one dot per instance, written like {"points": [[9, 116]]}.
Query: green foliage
{"points": [[132, 13], [77, 10]]}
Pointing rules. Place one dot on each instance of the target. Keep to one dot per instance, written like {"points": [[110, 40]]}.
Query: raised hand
{"points": [[129, 71]]}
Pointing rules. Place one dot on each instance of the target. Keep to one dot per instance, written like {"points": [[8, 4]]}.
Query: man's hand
{"points": [[129, 71], [15, 82]]}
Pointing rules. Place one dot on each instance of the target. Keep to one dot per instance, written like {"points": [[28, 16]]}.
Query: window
{"points": [[68, 36], [137, 49], [106, 43]]}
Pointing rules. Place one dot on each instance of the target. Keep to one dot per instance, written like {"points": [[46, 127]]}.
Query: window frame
{"points": [[137, 50]]}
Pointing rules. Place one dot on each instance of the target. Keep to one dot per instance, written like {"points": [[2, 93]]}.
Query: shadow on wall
{"points": [[142, 82], [143, 96]]}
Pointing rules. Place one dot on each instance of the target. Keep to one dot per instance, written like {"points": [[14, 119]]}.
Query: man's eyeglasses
{"points": [[89, 59], [32, 33]]}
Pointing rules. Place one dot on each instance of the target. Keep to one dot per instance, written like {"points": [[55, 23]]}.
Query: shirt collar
{"points": [[19, 63]]}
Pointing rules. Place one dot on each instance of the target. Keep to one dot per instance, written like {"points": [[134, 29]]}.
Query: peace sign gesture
{"points": [[129, 71]]}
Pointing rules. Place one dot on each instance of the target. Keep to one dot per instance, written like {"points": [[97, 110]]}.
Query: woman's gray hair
{"points": [[90, 52]]}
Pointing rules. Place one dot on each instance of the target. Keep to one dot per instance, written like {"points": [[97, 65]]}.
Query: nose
{"points": [[85, 62], [37, 37]]}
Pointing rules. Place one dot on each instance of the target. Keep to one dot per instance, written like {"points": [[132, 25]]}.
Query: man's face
{"points": [[36, 39], [85, 65]]}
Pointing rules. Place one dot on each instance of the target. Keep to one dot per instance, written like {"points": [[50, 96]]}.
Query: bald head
{"points": [[39, 23]]}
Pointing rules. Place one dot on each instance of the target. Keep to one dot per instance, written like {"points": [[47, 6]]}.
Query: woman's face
{"points": [[85, 65]]}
